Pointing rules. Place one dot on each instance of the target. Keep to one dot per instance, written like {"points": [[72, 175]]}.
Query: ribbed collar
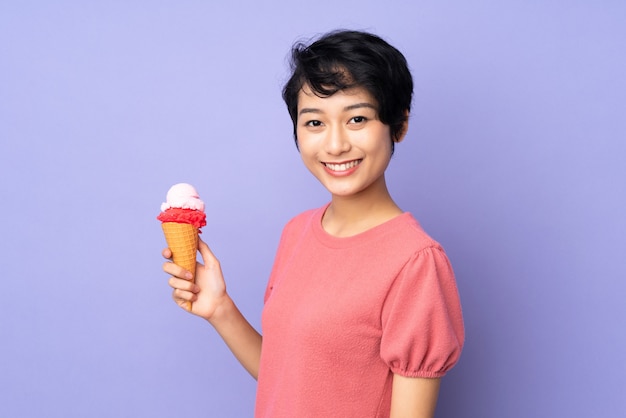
{"points": [[372, 234]]}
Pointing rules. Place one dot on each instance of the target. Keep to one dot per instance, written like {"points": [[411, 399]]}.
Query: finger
{"points": [[183, 296], [207, 255], [183, 285], [186, 305], [176, 271], [166, 253]]}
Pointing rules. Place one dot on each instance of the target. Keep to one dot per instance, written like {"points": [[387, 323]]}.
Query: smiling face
{"points": [[343, 142]]}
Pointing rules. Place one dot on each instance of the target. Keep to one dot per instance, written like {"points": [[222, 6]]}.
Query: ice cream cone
{"points": [[182, 240]]}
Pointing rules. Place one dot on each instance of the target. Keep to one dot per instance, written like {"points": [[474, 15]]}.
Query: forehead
{"points": [[307, 97]]}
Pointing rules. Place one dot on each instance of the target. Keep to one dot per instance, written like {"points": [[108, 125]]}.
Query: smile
{"points": [[342, 166]]}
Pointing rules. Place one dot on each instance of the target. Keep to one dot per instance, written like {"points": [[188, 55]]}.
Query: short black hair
{"points": [[345, 59]]}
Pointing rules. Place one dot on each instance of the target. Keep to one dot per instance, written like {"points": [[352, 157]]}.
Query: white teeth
{"points": [[343, 166]]}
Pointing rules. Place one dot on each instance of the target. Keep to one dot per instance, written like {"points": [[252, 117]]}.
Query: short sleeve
{"points": [[422, 321]]}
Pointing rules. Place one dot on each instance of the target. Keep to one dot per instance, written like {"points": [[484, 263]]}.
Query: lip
{"points": [[341, 168]]}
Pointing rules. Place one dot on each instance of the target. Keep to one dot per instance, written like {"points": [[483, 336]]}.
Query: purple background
{"points": [[514, 162]]}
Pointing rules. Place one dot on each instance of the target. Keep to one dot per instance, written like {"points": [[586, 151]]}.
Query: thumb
{"points": [[208, 257]]}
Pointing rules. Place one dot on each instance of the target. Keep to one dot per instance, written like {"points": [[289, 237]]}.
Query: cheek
{"points": [[385, 142], [307, 153], [378, 142], [306, 141]]}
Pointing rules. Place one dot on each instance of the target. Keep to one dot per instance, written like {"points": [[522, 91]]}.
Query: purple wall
{"points": [[514, 161]]}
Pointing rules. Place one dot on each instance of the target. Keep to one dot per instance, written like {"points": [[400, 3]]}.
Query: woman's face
{"points": [[342, 141]]}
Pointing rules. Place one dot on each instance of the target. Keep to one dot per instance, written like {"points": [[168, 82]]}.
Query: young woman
{"points": [[362, 315]]}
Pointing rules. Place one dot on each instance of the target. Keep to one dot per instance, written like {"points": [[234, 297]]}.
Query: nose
{"points": [[337, 141]]}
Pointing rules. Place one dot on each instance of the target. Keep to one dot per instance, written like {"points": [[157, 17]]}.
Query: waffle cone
{"points": [[182, 240]]}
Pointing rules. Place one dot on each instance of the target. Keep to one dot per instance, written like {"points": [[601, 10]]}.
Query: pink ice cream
{"points": [[183, 205]]}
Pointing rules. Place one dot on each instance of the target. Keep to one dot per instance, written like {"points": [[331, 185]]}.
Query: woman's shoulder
{"points": [[306, 217], [407, 231], [303, 220]]}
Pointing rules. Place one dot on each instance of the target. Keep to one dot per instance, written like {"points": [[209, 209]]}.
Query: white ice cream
{"points": [[182, 196]]}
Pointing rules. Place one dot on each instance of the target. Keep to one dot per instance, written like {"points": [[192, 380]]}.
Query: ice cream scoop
{"points": [[183, 196], [183, 205]]}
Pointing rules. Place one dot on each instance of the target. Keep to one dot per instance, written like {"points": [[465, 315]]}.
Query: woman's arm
{"points": [[413, 397], [211, 302], [242, 339]]}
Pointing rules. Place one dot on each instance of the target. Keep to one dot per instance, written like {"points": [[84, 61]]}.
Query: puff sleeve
{"points": [[422, 322]]}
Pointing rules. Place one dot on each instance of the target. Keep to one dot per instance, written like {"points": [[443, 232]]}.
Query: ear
{"points": [[405, 128]]}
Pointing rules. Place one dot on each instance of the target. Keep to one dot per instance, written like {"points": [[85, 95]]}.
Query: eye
{"points": [[358, 119], [313, 123]]}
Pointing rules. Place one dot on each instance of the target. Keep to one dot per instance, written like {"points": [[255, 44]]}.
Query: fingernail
{"points": [[188, 276]]}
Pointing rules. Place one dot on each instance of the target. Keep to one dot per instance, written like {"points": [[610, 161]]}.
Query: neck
{"points": [[351, 215]]}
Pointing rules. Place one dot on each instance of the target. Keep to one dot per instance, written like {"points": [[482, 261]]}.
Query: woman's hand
{"points": [[207, 294]]}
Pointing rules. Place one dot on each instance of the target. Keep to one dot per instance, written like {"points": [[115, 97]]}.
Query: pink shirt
{"points": [[342, 315]]}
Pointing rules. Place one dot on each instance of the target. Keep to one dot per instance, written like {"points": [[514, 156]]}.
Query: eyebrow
{"points": [[351, 107]]}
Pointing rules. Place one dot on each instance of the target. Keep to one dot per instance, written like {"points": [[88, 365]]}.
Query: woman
{"points": [[362, 315]]}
